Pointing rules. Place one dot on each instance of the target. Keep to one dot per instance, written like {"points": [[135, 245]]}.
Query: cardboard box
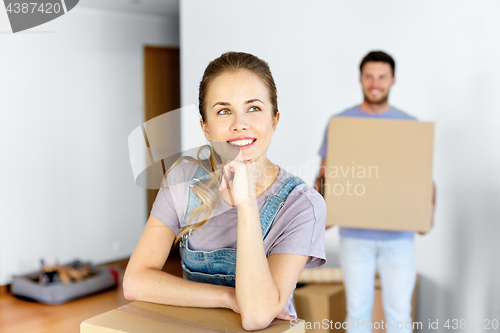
{"points": [[322, 306], [143, 317], [325, 303], [321, 275], [379, 174]]}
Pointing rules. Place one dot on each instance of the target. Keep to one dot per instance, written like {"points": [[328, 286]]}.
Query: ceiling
{"points": [[156, 7]]}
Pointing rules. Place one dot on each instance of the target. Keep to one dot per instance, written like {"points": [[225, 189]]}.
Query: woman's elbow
{"points": [[129, 288], [254, 322]]}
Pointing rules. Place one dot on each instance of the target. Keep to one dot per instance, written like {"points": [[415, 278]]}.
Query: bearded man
{"points": [[363, 252]]}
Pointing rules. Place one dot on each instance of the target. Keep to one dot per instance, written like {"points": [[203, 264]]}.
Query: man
{"points": [[364, 251]]}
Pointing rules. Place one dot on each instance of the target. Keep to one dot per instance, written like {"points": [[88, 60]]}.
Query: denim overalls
{"points": [[219, 266]]}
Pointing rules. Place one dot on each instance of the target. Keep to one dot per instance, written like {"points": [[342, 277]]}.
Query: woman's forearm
{"points": [[256, 292], [153, 285]]}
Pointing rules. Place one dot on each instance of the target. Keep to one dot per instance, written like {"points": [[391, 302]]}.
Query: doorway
{"points": [[161, 94]]}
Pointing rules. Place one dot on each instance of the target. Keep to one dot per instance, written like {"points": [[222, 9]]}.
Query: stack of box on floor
{"points": [[141, 317], [322, 304]]}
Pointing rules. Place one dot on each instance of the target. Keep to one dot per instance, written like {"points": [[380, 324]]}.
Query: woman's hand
{"points": [[284, 315], [240, 178]]}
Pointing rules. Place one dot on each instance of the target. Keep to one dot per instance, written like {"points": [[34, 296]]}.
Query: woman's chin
{"points": [[241, 157]]}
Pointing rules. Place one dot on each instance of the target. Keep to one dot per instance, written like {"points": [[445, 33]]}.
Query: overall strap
{"points": [[275, 202], [193, 200]]}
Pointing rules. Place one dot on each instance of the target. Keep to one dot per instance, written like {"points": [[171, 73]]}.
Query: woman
{"points": [[274, 220]]}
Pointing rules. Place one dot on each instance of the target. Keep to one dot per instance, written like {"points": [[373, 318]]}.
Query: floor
{"points": [[19, 316]]}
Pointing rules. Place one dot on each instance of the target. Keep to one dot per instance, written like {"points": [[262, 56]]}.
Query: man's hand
{"points": [[432, 210], [318, 186]]}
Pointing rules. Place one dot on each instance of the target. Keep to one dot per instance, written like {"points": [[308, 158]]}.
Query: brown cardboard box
{"points": [[143, 317], [321, 275], [379, 174], [322, 306], [325, 305]]}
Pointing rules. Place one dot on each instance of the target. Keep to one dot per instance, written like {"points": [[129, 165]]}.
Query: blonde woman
{"points": [[246, 227]]}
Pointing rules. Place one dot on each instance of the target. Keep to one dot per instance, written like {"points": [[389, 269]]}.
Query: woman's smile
{"points": [[242, 142]]}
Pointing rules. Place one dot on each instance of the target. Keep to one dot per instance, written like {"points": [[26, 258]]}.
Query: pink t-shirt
{"points": [[299, 227]]}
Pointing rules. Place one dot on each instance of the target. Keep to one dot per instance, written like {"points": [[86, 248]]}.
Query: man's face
{"points": [[376, 80]]}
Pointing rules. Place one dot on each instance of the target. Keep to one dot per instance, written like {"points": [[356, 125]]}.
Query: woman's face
{"points": [[239, 116]]}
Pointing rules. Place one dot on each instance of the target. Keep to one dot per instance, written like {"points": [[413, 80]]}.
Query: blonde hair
{"points": [[207, 190]]}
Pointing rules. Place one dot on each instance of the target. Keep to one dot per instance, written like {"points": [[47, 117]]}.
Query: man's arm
{"points": [[320, 181]]}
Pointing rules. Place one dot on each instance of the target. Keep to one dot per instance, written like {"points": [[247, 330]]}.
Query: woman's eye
{"points": [[254, 108], [223, 111]]}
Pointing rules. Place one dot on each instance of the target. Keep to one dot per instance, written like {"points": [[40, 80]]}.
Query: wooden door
{"points": [[161, 93]]}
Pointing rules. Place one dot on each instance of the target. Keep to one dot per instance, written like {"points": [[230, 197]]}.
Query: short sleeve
{"points": [[303, 224], [171, 201], [322, 150], [164, 210]]}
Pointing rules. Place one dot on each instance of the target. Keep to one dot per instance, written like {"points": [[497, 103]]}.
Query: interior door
{"points": [[161, 95]]}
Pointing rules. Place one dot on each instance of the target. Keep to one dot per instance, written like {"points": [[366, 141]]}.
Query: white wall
{"points": [[71, 91], [447, 71]]}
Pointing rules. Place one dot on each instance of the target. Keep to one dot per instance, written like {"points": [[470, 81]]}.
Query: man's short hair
{"points": [[380, 57]]}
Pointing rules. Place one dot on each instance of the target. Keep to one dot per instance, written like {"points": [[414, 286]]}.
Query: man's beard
{"points": [[380, 101]]}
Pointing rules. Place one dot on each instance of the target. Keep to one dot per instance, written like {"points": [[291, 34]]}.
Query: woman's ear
{"points": [[276, 119], [204, 128]]}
